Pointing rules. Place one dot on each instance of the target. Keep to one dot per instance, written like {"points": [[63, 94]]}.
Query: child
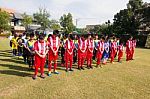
{"points": [[41, 49], [82, 44], [69, 47], [14, 44], [113, 49], [30, 53], [75, 49], [133, 48], [100, 50], [106, 51], [54, 44], [128, 49], [90, 49], [20, 45], [120, 51]]}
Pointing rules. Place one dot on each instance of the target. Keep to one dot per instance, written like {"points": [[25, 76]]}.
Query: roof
{"points": [[18, 16], [8, 10]]}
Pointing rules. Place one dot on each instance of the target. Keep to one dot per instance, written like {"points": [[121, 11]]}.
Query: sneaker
{"points": [[88, 67], [42, 76], [49, 74], [82, 68], [70, 69], [91, 67], [34, 77], [79, 68], [66, 70], [56, 72]]}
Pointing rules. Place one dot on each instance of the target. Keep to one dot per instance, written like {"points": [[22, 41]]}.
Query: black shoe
{"points": [[82, 68], [88, 67], [91, 67], [79, 68], [70, 69], [66, 70], [34, 77], [42, 76]]}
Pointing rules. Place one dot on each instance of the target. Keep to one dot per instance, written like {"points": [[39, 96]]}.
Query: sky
{"points": [[86, 12]]}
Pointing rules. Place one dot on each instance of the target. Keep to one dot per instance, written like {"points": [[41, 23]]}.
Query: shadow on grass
{"points": [[13, 60], [16, 73]]}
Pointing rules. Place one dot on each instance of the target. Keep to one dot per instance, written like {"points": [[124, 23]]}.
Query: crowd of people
{"points": [[38, 50]]}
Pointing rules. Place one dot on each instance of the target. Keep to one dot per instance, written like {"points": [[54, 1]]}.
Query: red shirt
{"points": [[90, 44], [54, 42], [41, 47], [82, 44], [114, 46], [100, 46], [69, 45]]}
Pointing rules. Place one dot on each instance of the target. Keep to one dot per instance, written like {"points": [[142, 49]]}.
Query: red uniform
{"points": [[41, 48], [128, 50], [120, 52], [113, 50], [54, 43], [69, 47], [81, 51], [133, 48], [100, 50], [90, 49]]}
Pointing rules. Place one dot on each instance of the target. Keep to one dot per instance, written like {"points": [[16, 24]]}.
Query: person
{"points": [[100, 50], [133, 48], [120, 51], [129, 48], [25, 50], [69, 47], [95, 46], [30, 51], [113, 49], [106, 51], [41, 49], [82, 47], [75, 49], [54, 43], [14, 44], [63, 41], [20, 42], [90, 49]]}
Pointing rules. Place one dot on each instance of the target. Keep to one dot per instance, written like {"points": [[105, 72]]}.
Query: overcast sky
{"points": [[86, 11]]}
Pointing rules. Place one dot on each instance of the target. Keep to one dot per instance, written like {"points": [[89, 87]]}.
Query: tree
{"points": [[42, 18], [27, 20], [4, 21], [54, 25], [67, 23]]}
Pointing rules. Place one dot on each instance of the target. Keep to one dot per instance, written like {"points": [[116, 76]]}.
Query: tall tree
{"points": [[42, 18], [55, 25], [4, 21], [67, 23], [27, 20]]}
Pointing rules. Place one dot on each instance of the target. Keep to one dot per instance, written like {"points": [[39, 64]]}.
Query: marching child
{"points": [[69, 47], [100, 50], [133, 48], [129, 49], [113, 49], [90, 49], [41, 49], [120, 51]]}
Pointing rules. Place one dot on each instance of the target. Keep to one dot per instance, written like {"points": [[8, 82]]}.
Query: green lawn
{"points": [[127, 80]]}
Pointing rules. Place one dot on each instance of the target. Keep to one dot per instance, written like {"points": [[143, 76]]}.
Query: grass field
{"points": [[127, 80]]}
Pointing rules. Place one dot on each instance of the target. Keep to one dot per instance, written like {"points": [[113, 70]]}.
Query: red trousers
{"points": [[113, 53], [99, 57], [68, 58], [52, 57], [132, 54], [89, 58], [128, 55], [120, 54], [39, 63], [81, 58]]}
